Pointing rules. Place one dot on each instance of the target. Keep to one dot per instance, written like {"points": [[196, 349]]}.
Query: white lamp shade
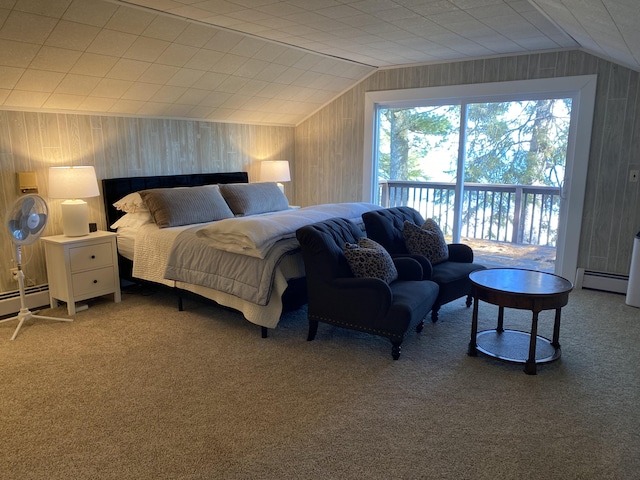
{"points": [[275, 171], [73, 182]]}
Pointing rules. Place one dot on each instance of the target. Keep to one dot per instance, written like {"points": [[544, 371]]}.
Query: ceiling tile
{"points": [[141, 91], [63, 101], [236, 101], [130, 107], [111, 88], [27, 27], [168, 94], [176, 55], [130, 20], [75, 36], [26, 99], [146, 49], [153, 109], [247, 47], [17, 54], [159, 74], [224, 41], [195, 35], [96, 104], [215, 99], [90, 12], [39, 81], [176, 110], [185, 77], [251, 68], [200, 111], [9, 76], [50, 8], [4, 93], [93, 64], [110, 42], [210, 81], [77, 84], [193, 96], [203, 59], [228, 64], [126, 69], [55, 59], [165, 28]]}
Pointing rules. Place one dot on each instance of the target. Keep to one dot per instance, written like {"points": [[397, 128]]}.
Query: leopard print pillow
{"points": [[427, 240], [369, 259]]}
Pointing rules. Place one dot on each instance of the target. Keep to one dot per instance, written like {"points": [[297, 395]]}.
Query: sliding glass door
{"points": [[494, 170]]}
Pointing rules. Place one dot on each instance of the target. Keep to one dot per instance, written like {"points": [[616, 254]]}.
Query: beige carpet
{"points": [[139, 390]]}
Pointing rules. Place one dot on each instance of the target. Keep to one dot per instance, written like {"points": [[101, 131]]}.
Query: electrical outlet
{"points": [[633, 175], [14, 274]]}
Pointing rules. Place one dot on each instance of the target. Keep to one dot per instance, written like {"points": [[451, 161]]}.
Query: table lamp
{"points": [[275, 171], [74, 184]]}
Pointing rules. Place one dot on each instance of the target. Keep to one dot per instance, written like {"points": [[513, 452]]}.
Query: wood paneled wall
{"points": [[119, 147], [329, 145]]}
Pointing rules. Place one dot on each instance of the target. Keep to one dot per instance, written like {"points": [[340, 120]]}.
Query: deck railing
{"points": [[505, 213]]}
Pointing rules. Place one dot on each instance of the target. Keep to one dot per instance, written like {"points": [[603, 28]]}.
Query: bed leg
{"points": [[177, 292], [265, 332]]}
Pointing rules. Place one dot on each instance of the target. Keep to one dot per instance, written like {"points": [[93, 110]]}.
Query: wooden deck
{"points": [[504, 254]]}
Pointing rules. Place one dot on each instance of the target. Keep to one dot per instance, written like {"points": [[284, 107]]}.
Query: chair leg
{"points": [[469, 300], [313, 329], [434, 313], [395, 349], [420, 326]]}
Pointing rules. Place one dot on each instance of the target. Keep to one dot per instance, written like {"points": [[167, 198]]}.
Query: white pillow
{"points": [[135, 220], [131, 203]]}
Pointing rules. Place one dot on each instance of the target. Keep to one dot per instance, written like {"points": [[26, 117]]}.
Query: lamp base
{"points": [[75, 218]]}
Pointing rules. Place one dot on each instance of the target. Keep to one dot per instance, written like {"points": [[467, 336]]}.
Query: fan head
{"points": [[27, 218]]}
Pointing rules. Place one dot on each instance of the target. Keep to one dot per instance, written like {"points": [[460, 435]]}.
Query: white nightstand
{"points": [[79, 268]]}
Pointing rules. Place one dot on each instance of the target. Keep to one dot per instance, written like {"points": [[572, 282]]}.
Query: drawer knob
{"points": [[95, 281], [93, 257]]}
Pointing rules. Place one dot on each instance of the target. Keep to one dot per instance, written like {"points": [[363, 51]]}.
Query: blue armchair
{"points": [[367, 304], [385, 227]]}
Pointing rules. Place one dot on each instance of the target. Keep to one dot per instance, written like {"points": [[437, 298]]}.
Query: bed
{"points": [[241, 252]]}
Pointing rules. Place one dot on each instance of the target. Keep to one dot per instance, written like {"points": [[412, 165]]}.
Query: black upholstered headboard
{"points": [[113, 189]]}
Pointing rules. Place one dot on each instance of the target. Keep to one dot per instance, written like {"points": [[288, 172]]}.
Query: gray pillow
{"points": [[254, 198], [369, 259], [172, 207], [427, 240]]}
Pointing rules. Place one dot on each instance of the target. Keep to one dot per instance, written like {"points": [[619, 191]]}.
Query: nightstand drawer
{"points": [[90, 256], [93, 282]]}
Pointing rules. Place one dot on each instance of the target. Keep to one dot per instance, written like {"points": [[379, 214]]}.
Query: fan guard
{"points": [[27, 218]]}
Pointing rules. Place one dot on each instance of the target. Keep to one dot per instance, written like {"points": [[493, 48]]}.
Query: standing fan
{"points": [[27, 218]]}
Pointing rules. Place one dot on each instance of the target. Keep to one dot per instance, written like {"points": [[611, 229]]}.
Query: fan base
{"points": [[25, 314]]}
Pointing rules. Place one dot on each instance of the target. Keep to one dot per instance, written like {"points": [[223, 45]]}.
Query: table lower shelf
{"points": [[513, 346]]}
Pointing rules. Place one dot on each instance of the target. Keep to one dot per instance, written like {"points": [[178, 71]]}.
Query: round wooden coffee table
{"points": [[524, 290]]}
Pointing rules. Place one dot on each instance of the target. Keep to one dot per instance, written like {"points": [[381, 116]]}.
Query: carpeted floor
{"points": [[138, 390]]}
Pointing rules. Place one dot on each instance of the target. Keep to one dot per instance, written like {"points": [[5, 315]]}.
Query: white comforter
{"points": [[255, 235]]}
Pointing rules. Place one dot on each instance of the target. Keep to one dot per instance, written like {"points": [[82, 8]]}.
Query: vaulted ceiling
{"points": [[269, 61]]}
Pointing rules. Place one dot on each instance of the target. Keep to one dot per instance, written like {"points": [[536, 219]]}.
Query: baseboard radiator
{"points": [[606, 282], [35, 297]]}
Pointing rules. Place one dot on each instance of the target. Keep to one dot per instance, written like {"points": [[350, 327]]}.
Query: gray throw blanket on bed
{"points": [[195, 261]]}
